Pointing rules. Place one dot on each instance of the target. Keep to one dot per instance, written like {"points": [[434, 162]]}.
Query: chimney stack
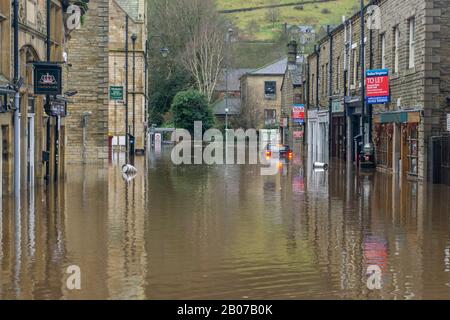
{"points": [[292, 52]]}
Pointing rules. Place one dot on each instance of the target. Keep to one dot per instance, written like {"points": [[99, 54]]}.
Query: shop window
{"points": [[412, 138], [270, 117], [270, 89]]}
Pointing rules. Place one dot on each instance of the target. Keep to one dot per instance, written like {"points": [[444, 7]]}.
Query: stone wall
{"points": [[88, 53]]}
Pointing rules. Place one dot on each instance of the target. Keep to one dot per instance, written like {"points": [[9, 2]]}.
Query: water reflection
{"points": [[206, 232]]}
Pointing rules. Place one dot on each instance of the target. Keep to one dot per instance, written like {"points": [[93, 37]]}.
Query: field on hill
{"points": [[266, 24]]}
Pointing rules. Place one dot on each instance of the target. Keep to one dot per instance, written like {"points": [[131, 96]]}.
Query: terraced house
{"points": [[42, 36], [410, 38]]}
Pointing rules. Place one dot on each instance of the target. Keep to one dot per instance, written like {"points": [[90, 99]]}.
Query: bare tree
{"points": [[251, 116], [205, 55], [273, 13]]}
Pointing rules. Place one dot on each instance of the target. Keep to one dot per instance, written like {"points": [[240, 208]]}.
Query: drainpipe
{"points": [[47, 97], [330, 89], [363, 75], [317, 52], [84, 124], [16, 102]]}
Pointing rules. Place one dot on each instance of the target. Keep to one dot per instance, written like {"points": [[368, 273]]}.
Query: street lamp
{"points": [[226, 119], [229, 34], [133, 39]]}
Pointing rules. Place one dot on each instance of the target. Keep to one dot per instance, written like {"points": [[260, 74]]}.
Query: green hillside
{"points": [[257, 24]]}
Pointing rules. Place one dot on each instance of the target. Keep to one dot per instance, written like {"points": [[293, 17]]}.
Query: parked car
{"points": [[280, 150]]}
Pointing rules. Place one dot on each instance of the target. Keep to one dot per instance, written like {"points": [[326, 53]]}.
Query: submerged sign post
{"points": [[377, 86]]}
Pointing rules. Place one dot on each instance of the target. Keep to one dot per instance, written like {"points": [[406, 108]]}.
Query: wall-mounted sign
{"points": [[298, 113], [337, 106], [116, 93], [47, 78], [297, 134], [377, 86], [448, 121]]}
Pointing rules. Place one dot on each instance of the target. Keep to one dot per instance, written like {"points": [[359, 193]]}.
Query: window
{"points": [[270, 89], [411, 42], [323, 80], [270, 117], [383, 51], [313, 83], [338, 73], [396, 48], [413, 148], [355, 66], [327, 86]]}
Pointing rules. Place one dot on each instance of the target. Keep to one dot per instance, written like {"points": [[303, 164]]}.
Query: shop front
{"points": [[338, 135], [396, 139]]}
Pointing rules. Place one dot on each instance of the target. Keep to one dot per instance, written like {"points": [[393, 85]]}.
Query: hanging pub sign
{"points": [[377, 86], [47, 78], [298, 113]]}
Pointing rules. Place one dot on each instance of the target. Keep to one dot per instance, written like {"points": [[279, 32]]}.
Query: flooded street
{"points": [[215, 232]]}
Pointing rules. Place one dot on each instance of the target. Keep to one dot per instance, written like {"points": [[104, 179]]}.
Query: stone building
{"points": [[261, 95], [292, 94], [42, 137], [97, 55], [409, 38]]}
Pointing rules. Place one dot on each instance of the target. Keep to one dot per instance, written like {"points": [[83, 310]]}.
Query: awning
{"points": [[406, 116]]}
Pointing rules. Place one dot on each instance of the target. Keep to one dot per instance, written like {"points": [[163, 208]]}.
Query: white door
{"points": [[30, 150]]}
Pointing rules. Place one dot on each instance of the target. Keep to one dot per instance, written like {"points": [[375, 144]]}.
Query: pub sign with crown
{"points": [[47, 78]]}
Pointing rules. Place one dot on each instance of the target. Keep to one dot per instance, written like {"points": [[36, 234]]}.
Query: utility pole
{"points": [[126, 91], [16, 102]]}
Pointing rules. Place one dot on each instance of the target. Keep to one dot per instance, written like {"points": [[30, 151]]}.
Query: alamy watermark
{"points": [[211, 147]]}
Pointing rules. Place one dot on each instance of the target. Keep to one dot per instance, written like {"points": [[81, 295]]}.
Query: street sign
{"points": [[377, 86], [116, 93], [298, 113], [58, 108], [47, 78]]}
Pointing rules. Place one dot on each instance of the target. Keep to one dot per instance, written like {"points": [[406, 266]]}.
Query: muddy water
{"points": [[213, 232]]}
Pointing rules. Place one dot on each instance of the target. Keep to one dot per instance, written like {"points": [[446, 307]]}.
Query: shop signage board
{"points": [[298, 113], [377, 86], [47, 78], [297, 134]]}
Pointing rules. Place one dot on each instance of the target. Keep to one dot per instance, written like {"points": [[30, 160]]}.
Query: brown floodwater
{"points": [[226, 232]]}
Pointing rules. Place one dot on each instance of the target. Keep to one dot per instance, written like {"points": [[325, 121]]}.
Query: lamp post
{"points": [[126, 91], [227, 62], [133, 39], [226, 119]]}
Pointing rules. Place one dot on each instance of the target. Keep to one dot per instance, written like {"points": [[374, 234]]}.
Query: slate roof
{"points": [[234, 106], [275, 68], [131, 7], [233, 79]]}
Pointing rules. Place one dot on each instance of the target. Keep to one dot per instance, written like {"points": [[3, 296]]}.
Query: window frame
{"points": [[411, 42], [396, 49], [270, 96]]}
